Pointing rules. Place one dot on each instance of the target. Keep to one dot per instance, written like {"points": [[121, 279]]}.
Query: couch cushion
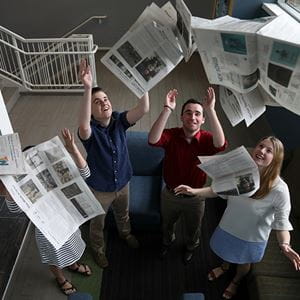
{"points": [[274, 288], [145, 159], [80, 296], [193, 296], [144, 207]]}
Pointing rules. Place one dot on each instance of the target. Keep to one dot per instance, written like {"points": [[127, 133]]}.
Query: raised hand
{"points": [[171, 99], [209, 99], [85, 74], [69, 140]]}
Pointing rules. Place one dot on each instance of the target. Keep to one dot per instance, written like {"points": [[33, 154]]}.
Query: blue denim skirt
{"points": [[235, 250]]}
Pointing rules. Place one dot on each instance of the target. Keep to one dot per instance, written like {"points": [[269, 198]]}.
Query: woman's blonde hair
{"points": [[272, 171]]}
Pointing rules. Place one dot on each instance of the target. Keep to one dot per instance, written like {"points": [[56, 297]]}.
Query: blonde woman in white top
{"points": [[243, 232]]}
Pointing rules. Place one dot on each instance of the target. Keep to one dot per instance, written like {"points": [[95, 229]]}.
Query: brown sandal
{"points": [[66, 290], [228, 294], [86, 269], [213, 275]]}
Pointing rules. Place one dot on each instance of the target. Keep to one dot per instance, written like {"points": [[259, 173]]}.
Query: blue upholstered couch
{"points": [[146, 183]]}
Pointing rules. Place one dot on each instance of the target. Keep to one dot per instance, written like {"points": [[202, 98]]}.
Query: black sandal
{"points": [[67, 291], [229, 294], [212, 275], [87, 270]]}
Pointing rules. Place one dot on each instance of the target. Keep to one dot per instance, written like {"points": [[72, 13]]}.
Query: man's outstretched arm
{"points": [[160, 124], [138, 111], [211, 114]]}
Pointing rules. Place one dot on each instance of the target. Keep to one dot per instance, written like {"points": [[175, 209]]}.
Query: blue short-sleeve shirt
{"points": [[107, 154]]}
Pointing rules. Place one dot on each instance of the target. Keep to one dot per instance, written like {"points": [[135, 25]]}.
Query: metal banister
{"points": [[45, 64], [100, 18]]}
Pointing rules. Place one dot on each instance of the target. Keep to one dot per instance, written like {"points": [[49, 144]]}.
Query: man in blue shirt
{"points": [[103, 134]]}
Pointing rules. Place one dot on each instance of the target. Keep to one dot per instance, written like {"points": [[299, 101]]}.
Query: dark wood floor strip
{"points": [[140, 274]]}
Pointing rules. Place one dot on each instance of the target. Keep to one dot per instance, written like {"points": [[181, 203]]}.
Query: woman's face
{"points": [[263, 153]]}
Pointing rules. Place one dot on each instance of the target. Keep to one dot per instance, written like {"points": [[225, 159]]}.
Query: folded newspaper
{"points": [[152, 47], [239, 54], [228, 49], [233, 173], [279, 61], [184, 29], [242, 107], [52, 193], [11, 157]]}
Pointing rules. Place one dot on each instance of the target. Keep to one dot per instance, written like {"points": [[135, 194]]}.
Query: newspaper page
{"points": [[228, 49], [184, 29], [5, 125], [279, 61], [269, 101], [11, 156], [144, 56], [230, 106], [233, 173], [239, 107], [171, 13], [52, 193], [166, 15]]}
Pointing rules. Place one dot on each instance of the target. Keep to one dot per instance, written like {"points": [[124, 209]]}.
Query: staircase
{"points": [[46, 65], [35, 65]]}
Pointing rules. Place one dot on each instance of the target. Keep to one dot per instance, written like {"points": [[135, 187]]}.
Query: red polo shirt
{"points": [[181, 158]]}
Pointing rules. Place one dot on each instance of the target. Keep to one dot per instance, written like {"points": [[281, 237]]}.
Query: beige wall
{"points": [[40, 117], [41, 19]]}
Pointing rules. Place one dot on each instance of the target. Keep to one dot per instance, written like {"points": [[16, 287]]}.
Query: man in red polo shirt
{"points": [[182, 147]]}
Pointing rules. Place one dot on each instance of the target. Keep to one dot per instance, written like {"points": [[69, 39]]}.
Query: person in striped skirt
{"points": [[72, 250]]}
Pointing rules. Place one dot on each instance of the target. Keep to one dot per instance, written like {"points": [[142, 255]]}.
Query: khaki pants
{"points": [[190, 208], [120, 205]]}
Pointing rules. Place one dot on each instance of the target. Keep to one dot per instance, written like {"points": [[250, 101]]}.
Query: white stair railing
{"points": [[45, 64]]}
